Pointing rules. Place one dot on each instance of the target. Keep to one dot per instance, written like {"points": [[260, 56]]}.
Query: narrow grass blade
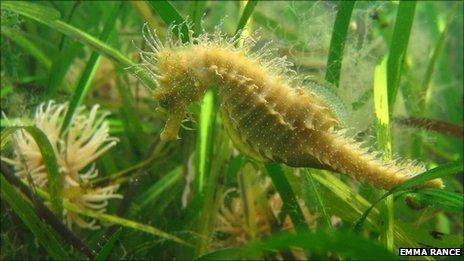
{"points": [[145, 11], [100, 47], [212, 194], [383, 129], [247, 11], [347, 245], [438, 172], [171, 17], [48, 156], [67, 52], [51, 165], [196, 13], [130, 116], [34, 11], [235, 164], [205, 139], [337, 42], [434, 57], [288, 197], [122, 175], [247, 181], [30, 10], [106, 249], [89, 71], [313, 192], [442, 199], [398, 46], [115, 219], [154, 192], [60, 66], [25, 211], [29, 46], [4, 136], [382, 108], [349, 206]]}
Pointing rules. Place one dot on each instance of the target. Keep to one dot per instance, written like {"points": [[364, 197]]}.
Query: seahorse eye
{"points": [[164, 103], [165, 99]]}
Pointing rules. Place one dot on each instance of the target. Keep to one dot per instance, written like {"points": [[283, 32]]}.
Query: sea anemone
{"points": [[231, 228], [76, 150], [231, 220]]}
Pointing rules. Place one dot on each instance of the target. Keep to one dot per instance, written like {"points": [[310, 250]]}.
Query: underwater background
{"points": [[86, 176]]}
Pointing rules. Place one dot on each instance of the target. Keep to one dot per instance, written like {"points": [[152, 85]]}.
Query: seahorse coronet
{"points": [[269, 114]]}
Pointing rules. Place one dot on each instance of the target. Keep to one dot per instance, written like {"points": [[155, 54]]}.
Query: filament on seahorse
{"points": [[269, 114]]}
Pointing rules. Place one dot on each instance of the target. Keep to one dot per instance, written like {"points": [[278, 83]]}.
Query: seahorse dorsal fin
{"points": [[328, 93]]}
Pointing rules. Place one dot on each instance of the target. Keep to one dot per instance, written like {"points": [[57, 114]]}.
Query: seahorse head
{"points": [[179, 84], [176, 84]]}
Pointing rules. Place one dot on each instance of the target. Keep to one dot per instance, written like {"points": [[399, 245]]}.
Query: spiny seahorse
{"points": [[269, 114]]}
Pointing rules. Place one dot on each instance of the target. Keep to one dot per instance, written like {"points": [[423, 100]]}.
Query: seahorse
{"points": [[269, 114]]}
